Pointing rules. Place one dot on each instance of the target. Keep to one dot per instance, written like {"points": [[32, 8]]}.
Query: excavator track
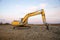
{"points": [[21, 27]]}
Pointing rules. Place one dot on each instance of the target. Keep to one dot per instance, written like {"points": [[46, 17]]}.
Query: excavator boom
{"points": [[33, 14]]}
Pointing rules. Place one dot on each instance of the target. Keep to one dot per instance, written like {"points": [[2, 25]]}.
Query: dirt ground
{"points": [[34, 33]]}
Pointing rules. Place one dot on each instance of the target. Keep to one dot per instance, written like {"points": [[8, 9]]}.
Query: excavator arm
{"points": [[33, 14]]}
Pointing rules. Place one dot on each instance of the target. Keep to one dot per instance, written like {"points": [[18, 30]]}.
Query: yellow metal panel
{"points": [[15, 23]]}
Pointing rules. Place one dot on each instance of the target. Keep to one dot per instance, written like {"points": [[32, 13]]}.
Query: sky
{"points": [[16, 9]]}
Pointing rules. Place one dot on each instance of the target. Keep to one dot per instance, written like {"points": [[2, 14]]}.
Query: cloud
{"points": [[31, 9], [43, 5], [35, 8]]}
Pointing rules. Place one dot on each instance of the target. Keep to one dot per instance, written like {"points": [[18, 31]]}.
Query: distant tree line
{"points": [[4, 23]]}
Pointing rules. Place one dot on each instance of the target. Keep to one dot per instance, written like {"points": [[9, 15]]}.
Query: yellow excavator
{"points": [[24, 21]]}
